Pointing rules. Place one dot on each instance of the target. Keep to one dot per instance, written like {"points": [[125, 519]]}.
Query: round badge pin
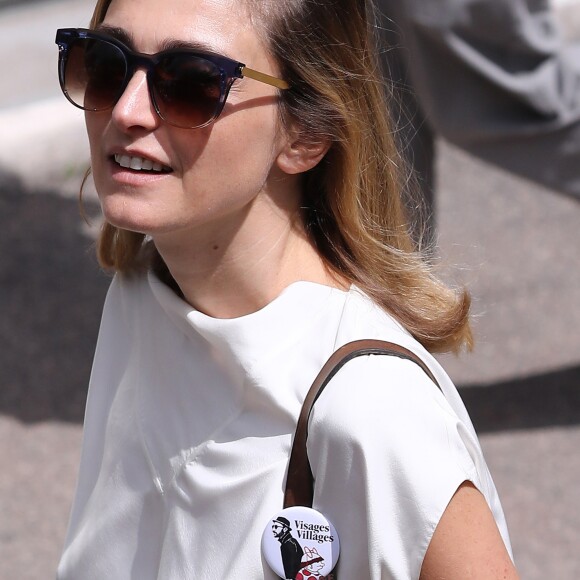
{"points": [[300, 543]]}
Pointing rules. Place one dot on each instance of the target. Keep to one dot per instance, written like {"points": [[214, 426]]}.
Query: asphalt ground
{"points": [[516, 246]]}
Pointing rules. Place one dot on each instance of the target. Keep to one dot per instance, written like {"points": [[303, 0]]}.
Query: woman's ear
{"points": [[300, 154]]}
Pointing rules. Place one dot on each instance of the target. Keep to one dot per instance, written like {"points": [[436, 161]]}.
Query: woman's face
{"points": [[215, 177]]}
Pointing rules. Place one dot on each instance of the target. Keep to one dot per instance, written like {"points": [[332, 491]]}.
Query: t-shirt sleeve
{"points": [[387, 453]]}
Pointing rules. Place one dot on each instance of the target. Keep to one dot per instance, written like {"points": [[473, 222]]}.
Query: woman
{"points": [[251, 238]]}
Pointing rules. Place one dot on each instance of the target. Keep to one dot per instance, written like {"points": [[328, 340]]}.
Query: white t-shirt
{"points": [[189, 424]]}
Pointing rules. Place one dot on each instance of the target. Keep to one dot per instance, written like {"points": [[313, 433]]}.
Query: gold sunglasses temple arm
{"points": [[264, 78]]}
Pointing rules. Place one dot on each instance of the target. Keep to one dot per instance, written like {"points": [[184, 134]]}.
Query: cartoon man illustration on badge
{"points": [[289, 547]]}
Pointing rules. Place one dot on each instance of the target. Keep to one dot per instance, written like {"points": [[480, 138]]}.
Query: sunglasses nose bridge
{"points": [[137, 62], [135, 104]]}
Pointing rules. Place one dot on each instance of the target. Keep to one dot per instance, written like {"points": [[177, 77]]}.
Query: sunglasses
{"points": [[188, 88]]}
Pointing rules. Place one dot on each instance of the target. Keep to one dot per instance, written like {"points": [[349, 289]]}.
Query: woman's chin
{"points": [[128, 215], [129, 222]]}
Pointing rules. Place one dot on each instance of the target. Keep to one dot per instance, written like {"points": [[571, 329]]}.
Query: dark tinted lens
{"points": [[187, 89], [95, 74]]}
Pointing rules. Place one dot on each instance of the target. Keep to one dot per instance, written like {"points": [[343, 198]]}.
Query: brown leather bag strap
{"points": [[299, 481]]}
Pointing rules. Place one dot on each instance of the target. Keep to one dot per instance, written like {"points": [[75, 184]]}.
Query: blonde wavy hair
{"points": [[354, 208]]}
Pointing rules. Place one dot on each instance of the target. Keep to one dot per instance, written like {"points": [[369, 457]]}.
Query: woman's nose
{"points": [[134, 109]]}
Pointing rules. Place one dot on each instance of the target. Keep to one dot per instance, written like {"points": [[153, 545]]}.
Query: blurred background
{"points": [[514, 243]]}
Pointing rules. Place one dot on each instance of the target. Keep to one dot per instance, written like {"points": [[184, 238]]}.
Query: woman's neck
{"points": [[243, 269]]}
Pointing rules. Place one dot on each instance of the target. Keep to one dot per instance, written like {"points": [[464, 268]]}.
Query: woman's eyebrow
{"points": [[168, 44], [177, 44], [118, 33]]}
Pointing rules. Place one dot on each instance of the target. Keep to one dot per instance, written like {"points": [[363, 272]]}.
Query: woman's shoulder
{"points": [[379, 395], [383, 377], [386, 410], [363, 316]]}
